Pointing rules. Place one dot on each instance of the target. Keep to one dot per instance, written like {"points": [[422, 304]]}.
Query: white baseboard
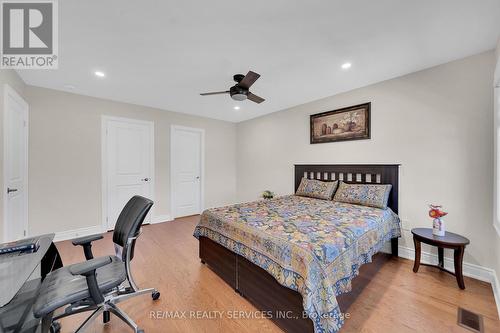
{"points": [[97, 229], [496, 292], [70, 234], [471, 270], [160, 219]]}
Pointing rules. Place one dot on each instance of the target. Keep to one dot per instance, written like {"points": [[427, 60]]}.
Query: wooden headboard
{"points": [[354, 174]]}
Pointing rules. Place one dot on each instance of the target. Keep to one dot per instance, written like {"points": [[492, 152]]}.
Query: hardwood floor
{"points": [[166, 257]]}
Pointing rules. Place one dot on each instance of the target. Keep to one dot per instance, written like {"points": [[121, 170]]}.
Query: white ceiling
{"points": [[164, 53]]}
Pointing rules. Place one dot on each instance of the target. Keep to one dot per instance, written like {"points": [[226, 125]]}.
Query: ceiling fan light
{"points": [[239, 97]]}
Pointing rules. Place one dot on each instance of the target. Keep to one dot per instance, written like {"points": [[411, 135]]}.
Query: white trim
{"points": [[496, 134], [104, 175], [495, 285], [160, 219], [172, 174], [98, 229], [471, 270], [8, 90], [496, 77], [81, 232], [497, 228]]}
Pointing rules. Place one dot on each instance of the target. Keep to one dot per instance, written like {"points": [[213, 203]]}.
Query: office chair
{"points": [[98, 284]]}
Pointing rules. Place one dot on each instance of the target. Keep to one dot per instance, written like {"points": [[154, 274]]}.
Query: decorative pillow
{"points": [[373, 195], [317, 189]]}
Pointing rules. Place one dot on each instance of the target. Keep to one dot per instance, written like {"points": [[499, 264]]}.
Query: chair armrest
{"points": [[86, 243], [86, 239], [88, 267]]}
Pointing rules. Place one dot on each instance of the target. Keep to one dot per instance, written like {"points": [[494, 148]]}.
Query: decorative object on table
{"points": [[449, 241], [351, 123], [267, 194], [436, 213]]}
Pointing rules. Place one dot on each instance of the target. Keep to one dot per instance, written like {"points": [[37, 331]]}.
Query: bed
{"points": [[293, 257]]}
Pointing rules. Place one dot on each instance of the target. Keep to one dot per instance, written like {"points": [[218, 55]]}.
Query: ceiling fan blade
{"points": [[255, 98], [249, 79], [215, 93]]}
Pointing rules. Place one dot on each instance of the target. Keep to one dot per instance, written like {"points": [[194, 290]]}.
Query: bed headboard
{"points": [[354, 174]]}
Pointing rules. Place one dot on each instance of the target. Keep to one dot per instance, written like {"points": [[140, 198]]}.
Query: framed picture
{"points": [[351, 123]]}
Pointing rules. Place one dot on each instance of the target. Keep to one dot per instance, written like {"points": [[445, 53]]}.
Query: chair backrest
{"points": [[130, 220]]}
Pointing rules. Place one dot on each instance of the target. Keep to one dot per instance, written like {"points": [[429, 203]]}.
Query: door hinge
{"points": [[24, 232], [25, 123]]}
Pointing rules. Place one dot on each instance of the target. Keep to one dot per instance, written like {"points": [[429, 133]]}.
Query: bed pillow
{"points": [[372, 195], [317, 189]]}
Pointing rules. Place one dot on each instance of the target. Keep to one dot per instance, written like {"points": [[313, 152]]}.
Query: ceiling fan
{"points": [[240, 92]]}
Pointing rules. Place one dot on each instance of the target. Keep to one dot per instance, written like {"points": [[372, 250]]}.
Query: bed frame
{"points": [[284, 305]]}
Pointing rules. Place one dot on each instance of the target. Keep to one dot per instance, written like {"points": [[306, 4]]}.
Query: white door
{"points": [[128, 161], [186, 170], [15, 165]]}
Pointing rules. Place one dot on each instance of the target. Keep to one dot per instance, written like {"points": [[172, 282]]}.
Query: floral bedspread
{"points": [[309, 245]]}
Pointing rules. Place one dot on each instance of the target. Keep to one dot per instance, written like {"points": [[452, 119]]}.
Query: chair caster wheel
{"points": [[106, 317], [55, 327], [155, 295], [140, 331]]}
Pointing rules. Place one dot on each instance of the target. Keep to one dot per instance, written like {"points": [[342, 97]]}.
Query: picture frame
{"points": [[346, 124]]}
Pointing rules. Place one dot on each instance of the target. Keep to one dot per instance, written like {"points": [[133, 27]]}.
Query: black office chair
{"points": [[98, 284]]}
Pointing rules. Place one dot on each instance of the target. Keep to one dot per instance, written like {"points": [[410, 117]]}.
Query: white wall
{"points": [[496, 138], [436, 123], [65, 158], [10, 77]]}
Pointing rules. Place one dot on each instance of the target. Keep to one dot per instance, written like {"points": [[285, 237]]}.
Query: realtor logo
{"points": [[29, 34]]}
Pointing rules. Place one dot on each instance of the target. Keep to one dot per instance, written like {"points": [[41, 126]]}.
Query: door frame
{"points": [[173, 128], [104, 165], [8, 90]]}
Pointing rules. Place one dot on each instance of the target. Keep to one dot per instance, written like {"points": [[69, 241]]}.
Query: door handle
{"points": [[145, 179], [10, 190]]}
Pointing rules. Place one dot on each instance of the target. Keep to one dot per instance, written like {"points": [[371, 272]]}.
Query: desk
{"points": [[21, 275]]}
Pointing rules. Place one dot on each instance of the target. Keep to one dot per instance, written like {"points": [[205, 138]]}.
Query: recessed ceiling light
{"points": [[236, 107], [99, 74], [347, 65]]}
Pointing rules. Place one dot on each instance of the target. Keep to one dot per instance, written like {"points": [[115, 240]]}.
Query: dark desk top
{"points": [[15, 269], [449, 238]]}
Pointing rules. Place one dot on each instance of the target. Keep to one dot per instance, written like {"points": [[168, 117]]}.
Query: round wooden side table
{"points": [[448, 241]]}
